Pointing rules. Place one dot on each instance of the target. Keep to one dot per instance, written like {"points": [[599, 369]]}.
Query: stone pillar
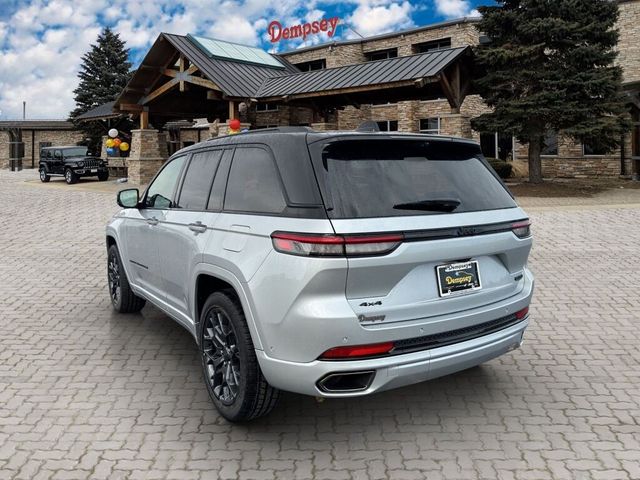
{"points": [[148, 153], [456, 125], [223, 128], [103, 148], [4, 150], [407, 121], [324, 126]]}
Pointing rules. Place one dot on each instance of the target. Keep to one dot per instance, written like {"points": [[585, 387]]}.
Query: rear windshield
{"points": [[388, 178]]}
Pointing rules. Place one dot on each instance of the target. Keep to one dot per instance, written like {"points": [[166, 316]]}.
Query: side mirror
{"points": [[128, 198]]}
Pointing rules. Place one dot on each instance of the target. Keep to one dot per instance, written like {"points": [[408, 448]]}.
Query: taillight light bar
{"points": [[520, 314], [522, 229], [314, 245]]}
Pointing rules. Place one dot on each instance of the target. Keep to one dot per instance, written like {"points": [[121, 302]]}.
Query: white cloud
{"points": [[373, 16], [455, 8]]}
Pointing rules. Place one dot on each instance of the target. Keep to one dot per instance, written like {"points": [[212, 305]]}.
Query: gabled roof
{"points": [[235, 78], [389, 71], [99, 113]]}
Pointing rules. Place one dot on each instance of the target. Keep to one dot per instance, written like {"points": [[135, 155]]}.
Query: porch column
{"points": [[4, 150], [407, 121], [148, 153]]}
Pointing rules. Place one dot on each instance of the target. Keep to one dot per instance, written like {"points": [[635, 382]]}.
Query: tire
{"points": [[44, 176], [103, 176], [70, 177], [227, 353], [122, 297]]}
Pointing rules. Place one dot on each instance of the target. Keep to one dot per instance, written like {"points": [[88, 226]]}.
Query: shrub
{"points": [[503, 169]]}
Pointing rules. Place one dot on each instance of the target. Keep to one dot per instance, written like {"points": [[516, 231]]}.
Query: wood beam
{"points": [[203, 82], [213, 95], [144, 119], [159, 91], [449, 93], [131, 107], [181, 65], [233, 110]]}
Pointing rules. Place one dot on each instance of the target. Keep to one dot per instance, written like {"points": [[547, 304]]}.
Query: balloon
{"points": [[116, 142], [124, 146], [113, 133], [111, 152], [234, 124], [110, 143]]}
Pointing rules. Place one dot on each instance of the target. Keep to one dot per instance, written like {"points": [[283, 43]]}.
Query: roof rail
{"points": [[268, 130]]}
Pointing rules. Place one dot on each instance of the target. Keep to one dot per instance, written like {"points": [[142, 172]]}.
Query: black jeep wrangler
{"points": [[72, 163]]}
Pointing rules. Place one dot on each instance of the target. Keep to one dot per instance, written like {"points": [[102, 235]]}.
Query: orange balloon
{"points": [[116, 142]]}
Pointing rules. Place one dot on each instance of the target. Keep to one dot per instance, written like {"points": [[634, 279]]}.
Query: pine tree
{"points": [[104, 72], [550, 67]]}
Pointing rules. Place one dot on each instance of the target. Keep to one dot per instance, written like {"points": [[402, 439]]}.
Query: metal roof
{"points": [[100, 112], [235, 79], [235, 51], [37, 124], [392, 70]]}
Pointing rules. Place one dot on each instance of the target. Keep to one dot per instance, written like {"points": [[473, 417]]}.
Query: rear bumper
{"points": [[394, 371]]}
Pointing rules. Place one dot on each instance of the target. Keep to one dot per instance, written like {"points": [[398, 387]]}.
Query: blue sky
{"points": [[42, 41]]}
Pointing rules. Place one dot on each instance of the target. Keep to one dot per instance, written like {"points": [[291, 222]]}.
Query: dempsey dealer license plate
{"points": [[457, 278]]}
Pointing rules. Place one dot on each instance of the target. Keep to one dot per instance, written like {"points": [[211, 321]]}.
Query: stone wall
{"points": [[629, 41], [336, 55], [32, 139], [148, 153]]}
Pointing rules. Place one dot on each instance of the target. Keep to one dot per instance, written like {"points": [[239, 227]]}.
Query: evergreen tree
{"points": [[550, 67], [104, 72]]}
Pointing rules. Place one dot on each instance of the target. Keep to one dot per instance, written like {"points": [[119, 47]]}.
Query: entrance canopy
{"points": [[189, 77]]}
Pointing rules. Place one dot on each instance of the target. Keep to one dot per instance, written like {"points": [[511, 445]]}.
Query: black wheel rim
{"points": [[113, 272], [220, 356]]}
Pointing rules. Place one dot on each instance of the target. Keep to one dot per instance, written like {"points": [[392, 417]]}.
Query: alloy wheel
{"points": [[68, 176], [113, 272], [43, 175], [221, 356]]}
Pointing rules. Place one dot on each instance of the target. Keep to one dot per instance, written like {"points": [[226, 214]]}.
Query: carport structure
{"points": [[189, 77]]}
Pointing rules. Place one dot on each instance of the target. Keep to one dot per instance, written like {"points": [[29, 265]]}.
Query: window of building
{"points": [[593, 149], [253, 184], [433, 45], [387, 125], [160, 192], [381, 54], [198, 179], [430, 125], [319, 64], [266, 107], [550, 144]]}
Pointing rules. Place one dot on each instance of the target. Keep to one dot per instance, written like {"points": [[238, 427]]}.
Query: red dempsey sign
{"points": [[277, 32]]}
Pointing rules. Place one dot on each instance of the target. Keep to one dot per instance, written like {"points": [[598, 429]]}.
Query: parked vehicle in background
{"points": [[333, 264], [71, 162]]}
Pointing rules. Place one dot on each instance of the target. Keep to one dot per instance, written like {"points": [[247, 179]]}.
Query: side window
{"points": [[220, 182], [57, 154], [198, 179], [253, 184], [160, 192]]}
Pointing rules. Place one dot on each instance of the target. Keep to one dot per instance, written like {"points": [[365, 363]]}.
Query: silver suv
{"points": [[333, 264]]}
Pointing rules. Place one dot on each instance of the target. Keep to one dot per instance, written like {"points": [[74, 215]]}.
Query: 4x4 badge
{"points": [[371, 304]]}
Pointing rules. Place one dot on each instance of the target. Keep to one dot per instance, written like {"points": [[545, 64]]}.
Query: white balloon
{"points": [[113, 133]]}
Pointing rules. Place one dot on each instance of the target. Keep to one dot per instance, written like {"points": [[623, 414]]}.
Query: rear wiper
{"points": [[441, 205]]}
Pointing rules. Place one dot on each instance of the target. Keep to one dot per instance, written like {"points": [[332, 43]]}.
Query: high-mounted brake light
{"points": [[314, 245], [357, 351], [522, 229]]}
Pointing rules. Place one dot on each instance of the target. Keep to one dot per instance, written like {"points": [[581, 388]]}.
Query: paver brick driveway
{"points": [[85, 393]]}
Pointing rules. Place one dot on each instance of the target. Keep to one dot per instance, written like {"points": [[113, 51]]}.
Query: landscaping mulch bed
{"points": [[569, 187]]}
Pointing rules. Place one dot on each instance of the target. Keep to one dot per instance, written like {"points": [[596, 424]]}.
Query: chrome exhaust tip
{"points": [[346, 382]]}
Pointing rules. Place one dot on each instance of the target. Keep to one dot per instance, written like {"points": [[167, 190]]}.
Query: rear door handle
{"points": [[152, 221], [198, 227]]}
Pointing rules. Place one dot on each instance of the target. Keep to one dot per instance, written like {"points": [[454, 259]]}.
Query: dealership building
{"points": [[187, 88]]}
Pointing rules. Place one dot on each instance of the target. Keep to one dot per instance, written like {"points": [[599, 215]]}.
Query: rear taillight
{"points": [[520, 314], [522, 229], [313, 245], [357, 351]]}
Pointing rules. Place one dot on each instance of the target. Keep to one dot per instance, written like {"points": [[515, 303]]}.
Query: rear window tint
{"points": [[387, 178]]}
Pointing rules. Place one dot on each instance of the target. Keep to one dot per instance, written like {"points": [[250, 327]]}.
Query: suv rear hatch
{"points": [[450, 236]]}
